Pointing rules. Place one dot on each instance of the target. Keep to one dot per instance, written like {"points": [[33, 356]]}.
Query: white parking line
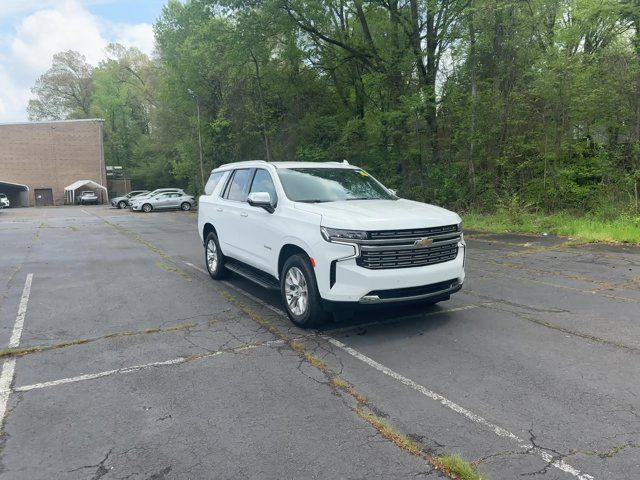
{"points": [[136, 368], [85, 212], [9, 366], [499, 431]]}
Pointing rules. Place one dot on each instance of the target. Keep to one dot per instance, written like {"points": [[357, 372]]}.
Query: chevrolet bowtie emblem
{"points": [[423, 242]]}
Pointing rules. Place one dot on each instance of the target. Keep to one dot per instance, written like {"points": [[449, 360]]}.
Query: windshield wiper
{"points": [[312, 201], [363, 198]]}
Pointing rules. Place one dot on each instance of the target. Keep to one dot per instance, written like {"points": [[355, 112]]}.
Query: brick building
{"points": [[39, 160]]}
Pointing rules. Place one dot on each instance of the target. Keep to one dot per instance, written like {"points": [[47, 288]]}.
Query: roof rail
{"points": [[233, 164]]}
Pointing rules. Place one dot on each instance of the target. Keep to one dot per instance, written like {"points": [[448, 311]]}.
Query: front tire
{"points": [[185, 207], [122, 205], [213, 257], [300, 294], [146, 208]]}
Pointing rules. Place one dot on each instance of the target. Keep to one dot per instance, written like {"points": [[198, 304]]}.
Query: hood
{"points": [[380, 214]]}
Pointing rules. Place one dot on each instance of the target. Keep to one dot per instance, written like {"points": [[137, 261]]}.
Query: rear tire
{"points": [[213, 257], [299, 292]]}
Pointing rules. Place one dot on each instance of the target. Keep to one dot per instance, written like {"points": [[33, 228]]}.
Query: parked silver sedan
{"points": [[163, 201]]}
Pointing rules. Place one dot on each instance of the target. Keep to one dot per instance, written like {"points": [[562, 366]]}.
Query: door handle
{"points": [[244, 214], [218, 209]]}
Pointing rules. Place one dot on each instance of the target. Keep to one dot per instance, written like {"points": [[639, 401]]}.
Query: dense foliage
{"points": [[482, 104]]}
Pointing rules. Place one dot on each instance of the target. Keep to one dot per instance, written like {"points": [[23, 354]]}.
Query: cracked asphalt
{"points": [[151, 370]]}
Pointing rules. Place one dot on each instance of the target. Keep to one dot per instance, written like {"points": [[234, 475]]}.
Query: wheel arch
{"points": [[207, 229], [288, 250]]}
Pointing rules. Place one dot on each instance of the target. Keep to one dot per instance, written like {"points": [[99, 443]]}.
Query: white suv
{"points": [[328, 236]]}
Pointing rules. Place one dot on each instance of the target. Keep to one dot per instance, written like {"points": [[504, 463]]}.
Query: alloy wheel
{"points": [[212, 256], [296, 291]]}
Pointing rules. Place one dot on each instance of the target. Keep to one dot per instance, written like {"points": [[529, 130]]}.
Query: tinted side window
{"points": [[213, 181], [237, 190], [262, 183]]}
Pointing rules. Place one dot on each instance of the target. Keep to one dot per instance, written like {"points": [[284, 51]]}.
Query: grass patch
{"points": [[20, 351], [456, 467], [173, 269], [339, 383], [315, 361], [624, 229], [390, 434]]}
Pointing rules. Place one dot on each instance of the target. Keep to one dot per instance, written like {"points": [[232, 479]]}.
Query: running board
{"points": [[254, 275]]}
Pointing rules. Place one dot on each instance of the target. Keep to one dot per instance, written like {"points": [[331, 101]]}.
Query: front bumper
{"points": [[346, 281], [136, 207]]}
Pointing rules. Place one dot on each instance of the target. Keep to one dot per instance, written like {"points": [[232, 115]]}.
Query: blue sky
{"points": [[31, 31]]}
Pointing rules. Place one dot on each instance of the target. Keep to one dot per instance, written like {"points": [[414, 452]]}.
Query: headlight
{"points": [[334, 234]]}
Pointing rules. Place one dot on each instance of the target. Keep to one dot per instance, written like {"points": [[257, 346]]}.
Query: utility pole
{"points": [[197, 99]]}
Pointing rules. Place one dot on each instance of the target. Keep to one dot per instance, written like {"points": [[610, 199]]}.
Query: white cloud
{"points": [[139, 36], [13, 98], [45, 32], [60, 26]]}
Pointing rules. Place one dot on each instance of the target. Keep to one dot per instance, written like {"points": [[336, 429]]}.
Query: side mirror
{"points": [[261, 199]]}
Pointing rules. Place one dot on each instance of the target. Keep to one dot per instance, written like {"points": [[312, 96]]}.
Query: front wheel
{"points": [[185, 207], [146, 208], [213, 257], [122, 205], [300, 294]]}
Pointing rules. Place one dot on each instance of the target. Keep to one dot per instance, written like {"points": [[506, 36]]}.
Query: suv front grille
{"points": [[402, 248]]}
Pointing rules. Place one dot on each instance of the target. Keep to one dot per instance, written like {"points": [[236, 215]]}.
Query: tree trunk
{"points": [[474, 101], [426, 73], [262, 111]]}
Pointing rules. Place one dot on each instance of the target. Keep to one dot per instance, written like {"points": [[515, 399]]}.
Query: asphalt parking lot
{"points": [[145, 368]]}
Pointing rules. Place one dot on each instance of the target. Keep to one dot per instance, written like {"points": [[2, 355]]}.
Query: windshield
{"points": [[314, 185]]}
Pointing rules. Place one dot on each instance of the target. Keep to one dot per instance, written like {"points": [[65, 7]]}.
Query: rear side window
{"points": [[239, 185], [213, 181]]}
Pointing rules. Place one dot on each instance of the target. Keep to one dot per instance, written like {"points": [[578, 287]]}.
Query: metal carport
{"points": [[17, 193], [70, 191]]}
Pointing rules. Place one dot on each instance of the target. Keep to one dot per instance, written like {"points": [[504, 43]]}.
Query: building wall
{"points": [[52, 155]]}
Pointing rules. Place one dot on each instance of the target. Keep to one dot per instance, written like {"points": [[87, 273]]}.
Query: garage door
{"points": [[44, 197]]}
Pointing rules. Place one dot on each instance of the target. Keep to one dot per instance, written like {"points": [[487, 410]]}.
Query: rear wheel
{"points": [[213, 257], [300, 293], [185, 207], [122, 205], [147, 207]]}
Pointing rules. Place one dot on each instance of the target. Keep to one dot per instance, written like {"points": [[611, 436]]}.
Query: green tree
{"points": [[64, 91]]}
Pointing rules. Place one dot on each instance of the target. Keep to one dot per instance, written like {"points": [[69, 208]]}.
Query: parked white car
{"points": [[4, 201], [329, 236]]}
